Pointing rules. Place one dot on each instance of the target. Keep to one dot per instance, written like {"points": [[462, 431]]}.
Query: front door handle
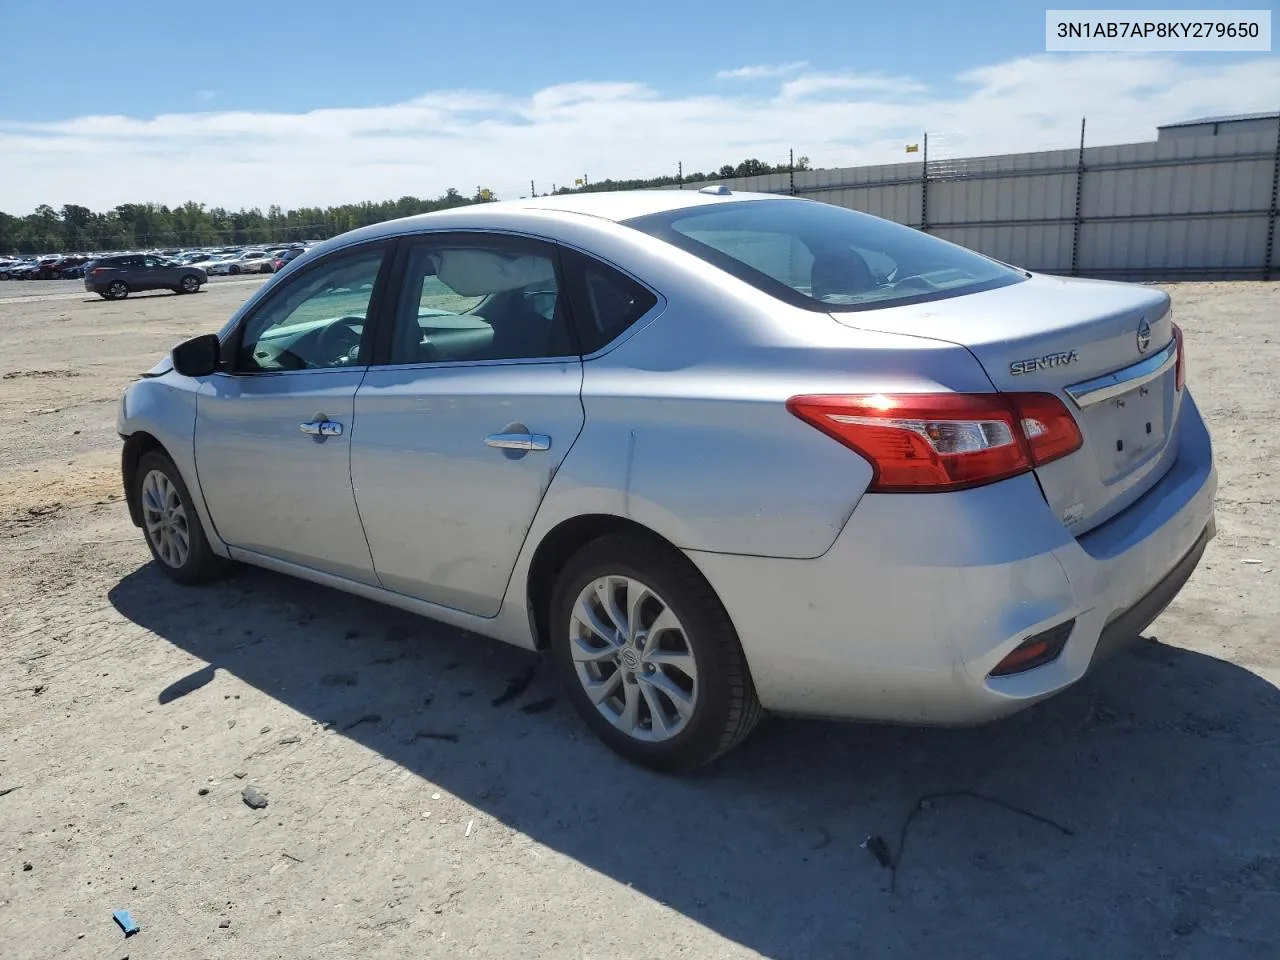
{"points": [[519, 441], [321, 428]]}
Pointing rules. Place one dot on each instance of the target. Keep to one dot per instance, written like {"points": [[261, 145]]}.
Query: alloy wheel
{"points": [[165, 518], [633, 659]]}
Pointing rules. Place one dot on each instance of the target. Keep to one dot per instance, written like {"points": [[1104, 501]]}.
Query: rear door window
{"points": [[605, 301]]}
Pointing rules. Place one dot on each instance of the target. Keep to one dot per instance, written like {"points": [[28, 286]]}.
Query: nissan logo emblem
{"points": [[1144, 336]]}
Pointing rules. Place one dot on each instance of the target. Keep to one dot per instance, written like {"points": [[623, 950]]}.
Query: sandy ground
{"points": [[423, 802]]}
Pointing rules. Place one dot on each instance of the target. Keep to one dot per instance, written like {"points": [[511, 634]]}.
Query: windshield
{"points": [[823, 257]]}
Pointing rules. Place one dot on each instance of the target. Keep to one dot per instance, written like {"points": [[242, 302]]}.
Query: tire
{"points": [[720, 700], [189, 284], [117, 290], [233, 270], [168, 514]]}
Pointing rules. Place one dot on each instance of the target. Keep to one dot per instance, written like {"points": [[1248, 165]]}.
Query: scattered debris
{"points": [[435, 796], [224, 923], [253, 797], [879, 849], [240, 774], [290, 856], [203, 792], [265, 730], [125, 920], [26, 866], [470, 826], [931, 799], [39, 688], [515, 687], [539, 706], [339, 680], [1250, 560], [231, 723], [8, 790], [435, 735], [292, 738], [367, 718]]}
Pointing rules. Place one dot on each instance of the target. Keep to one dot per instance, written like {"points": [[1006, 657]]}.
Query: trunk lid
{"points": [[1106, 349]]}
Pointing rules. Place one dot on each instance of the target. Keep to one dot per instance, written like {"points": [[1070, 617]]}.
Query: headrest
{"points": [[477, 273]]}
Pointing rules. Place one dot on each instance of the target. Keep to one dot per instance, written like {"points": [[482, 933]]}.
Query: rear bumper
{"points": [[921, 596]]}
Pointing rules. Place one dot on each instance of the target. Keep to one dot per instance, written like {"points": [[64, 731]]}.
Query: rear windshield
{"points": [[822, 257]]}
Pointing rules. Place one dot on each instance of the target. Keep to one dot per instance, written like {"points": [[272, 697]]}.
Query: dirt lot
{"points": [[415, 811]]}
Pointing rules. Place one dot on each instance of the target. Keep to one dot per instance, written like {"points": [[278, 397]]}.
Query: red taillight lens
{"points": [[1180, 373], [944, 441], [97, 270]]}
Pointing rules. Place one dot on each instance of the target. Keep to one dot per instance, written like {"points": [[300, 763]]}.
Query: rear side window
{"points": [[823, 257], [605, 301]]}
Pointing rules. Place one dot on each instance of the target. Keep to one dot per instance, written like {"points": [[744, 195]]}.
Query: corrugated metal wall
{"points": [[1201, 207]]}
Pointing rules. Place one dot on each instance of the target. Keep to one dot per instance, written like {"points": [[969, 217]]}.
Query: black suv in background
{"points": [[115, 277]]}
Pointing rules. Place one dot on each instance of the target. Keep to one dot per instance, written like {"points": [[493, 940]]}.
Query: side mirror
{"points": [[197, 357]]}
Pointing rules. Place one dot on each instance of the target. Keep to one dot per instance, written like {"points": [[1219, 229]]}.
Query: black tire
{"points": [[117, 290], [189, 284], [201, 564], [233, 270], [726, 708]]}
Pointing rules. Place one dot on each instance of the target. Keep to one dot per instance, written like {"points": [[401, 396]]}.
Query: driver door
{"points": [[273, 431]]}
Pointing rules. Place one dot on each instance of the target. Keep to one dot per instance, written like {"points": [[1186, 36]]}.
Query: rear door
{"points": [[1107, 349], [462, 425]]}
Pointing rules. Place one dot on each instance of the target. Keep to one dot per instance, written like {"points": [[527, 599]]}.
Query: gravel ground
{"points": [[429, 794]]}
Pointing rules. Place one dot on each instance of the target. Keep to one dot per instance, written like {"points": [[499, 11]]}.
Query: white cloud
{"points": [[465, 138], [817, 83], [761, 70]]}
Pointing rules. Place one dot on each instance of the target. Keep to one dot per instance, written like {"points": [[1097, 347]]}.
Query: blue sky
{"points": [[318, 102]]}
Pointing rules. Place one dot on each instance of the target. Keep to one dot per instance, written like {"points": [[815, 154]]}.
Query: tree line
{"points": [[135, 226]]}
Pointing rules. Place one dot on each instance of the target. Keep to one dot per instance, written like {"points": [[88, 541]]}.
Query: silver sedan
{"points": [[716, 453]]}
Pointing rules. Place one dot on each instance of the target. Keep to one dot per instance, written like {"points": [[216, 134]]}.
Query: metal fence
{"points": [[1179, 209]]}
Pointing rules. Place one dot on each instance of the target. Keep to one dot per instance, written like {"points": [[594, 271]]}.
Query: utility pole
{"points": [[924, 187], [532, 192], [680, 174]]}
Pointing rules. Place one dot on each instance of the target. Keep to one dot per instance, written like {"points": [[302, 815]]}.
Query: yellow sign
{"points": [[578, 182], [913, 148]]}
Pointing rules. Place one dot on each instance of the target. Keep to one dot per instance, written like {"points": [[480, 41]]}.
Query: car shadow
{"points": [[1134, 814]]}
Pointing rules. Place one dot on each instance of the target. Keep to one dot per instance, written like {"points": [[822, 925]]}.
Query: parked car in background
{"points": [[12, 269], [287, 256], [717, 453], [251, 261], [115, 277], [72, 268]]}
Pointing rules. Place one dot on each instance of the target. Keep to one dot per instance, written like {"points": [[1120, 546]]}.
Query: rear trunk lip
{"points": [[1111, 385]]}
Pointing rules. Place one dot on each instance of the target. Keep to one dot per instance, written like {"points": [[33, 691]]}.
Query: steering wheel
{"points": [[340, 340]]}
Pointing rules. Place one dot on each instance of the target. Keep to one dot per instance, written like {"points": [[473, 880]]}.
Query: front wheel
{"points": [[171, 525], [649, 656], [189, 285], [117, 290], [233, 270]]}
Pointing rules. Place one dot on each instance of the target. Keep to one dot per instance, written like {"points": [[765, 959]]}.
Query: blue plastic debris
{"points": [[123, 918]]}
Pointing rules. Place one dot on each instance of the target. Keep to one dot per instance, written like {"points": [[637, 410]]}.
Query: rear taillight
{"points": [[1180, 374], [931, 442], [97, 270]]}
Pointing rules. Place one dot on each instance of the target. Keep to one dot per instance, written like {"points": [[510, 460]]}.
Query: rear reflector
{"points": [[1035, 651], [932, 442], [1180, 376]]}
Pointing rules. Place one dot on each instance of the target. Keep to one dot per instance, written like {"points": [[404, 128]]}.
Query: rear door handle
{"points": [[519, 441], [321, 428]]}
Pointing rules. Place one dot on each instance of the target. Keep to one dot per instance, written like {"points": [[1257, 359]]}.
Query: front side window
{"points": [[315, 322], [824, 257], [477, 298]]}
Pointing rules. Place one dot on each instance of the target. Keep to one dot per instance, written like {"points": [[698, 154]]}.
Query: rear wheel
{"points": [[233, 270], [649, 656], [117, 290], [170, 523]]}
